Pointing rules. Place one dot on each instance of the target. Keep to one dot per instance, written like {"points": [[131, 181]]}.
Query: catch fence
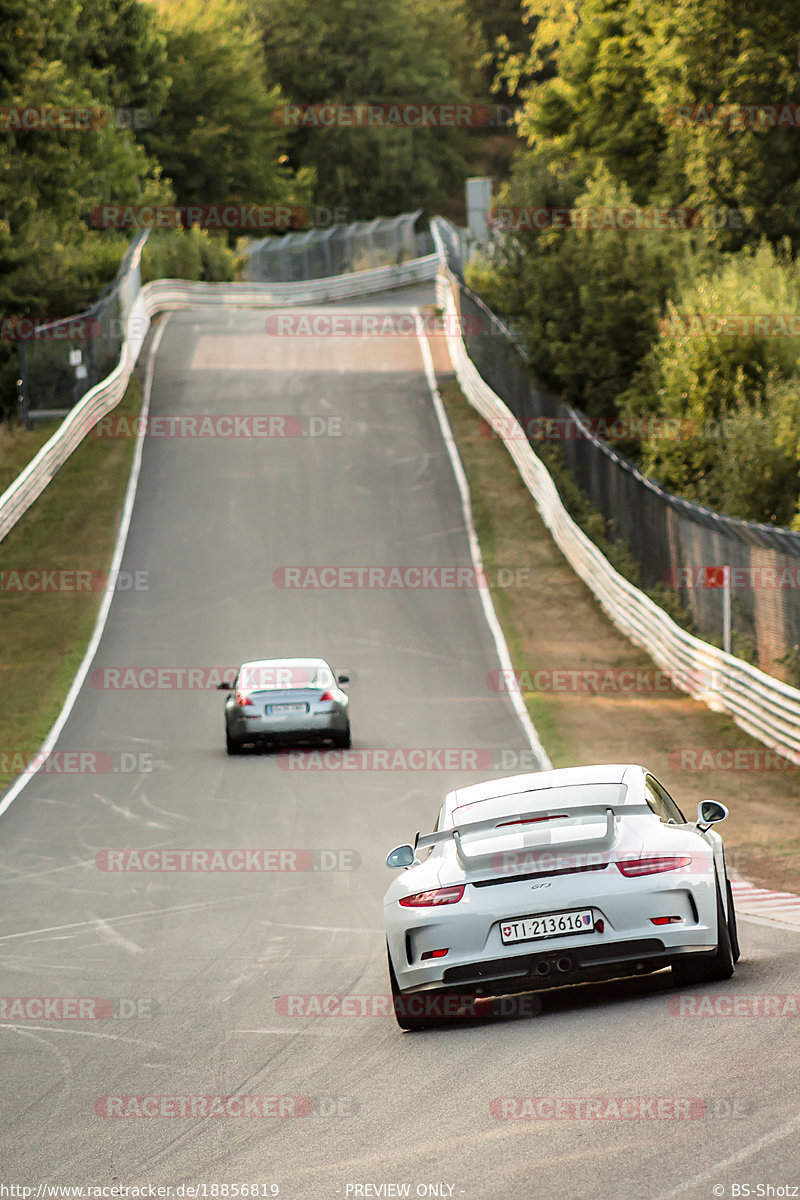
{"points": [[337, 250]]}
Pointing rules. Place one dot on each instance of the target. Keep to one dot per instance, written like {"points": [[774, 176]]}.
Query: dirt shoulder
{"points": [[593, 696]]}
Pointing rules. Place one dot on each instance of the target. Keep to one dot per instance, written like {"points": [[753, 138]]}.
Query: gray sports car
{"points": [[285, 700]]}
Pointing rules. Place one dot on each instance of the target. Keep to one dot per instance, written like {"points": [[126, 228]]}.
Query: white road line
{"points": [[474, 546], [765, 906], [716, 1172], [147, 912], [113, 1037], [114, 936], [102, 616]]}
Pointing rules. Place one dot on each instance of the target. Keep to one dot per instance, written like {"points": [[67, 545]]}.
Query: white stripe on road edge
{"points": [[102, 616], [770, 906], [475, 550]]}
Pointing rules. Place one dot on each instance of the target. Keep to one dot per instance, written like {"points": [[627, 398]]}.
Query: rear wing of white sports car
{"points": [[543, 822]]}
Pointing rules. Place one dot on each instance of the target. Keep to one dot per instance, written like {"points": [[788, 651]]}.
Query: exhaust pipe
{"points": [[564, 964], [542, 967]]}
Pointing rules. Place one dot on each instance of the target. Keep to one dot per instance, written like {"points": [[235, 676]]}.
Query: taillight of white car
{"points": [[633, 867], [434, 897]]}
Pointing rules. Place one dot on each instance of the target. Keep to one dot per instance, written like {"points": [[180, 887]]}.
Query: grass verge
{"points": [[71, 527], [18, 446], [556, 625]]}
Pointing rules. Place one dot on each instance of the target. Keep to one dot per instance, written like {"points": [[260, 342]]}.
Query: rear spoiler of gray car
{"points": [[545, 821]]}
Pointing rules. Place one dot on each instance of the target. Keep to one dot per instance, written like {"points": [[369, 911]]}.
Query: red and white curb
{"points": [[752, 901]]}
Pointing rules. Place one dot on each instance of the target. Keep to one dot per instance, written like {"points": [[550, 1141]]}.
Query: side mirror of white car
{"points": [[401, 856], [709, 812]]}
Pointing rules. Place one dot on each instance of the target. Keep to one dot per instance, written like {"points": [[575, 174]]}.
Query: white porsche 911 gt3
{"points": [[559, 877]]}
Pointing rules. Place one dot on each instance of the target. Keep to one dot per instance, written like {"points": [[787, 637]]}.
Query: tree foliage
{"points": [[347, 52], [641, 87], [726, 371], [590, 299], [195, 74], [690, 106], [215, 138], [503, 34], [52, 263]]}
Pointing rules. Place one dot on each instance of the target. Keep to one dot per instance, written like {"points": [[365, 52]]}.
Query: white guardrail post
{"points": [[764, 707]]}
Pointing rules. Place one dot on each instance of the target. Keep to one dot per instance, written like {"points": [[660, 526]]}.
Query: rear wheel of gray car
{"points": [[230, 745], [706, 968]]}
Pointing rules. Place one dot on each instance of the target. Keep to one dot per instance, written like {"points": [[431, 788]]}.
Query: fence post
{"points": [[22, 387], [726, 609]]}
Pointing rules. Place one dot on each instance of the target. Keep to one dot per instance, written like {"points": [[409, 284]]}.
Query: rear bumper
{"points": [[294, 727], [555, 968], [630, 944]]}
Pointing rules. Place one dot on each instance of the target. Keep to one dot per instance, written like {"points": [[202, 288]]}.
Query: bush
{"points": [[734, 390], [590, 299], [190, 254]]}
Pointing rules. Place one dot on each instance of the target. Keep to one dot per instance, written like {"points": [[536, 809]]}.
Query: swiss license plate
{"points": [[286, 708], [525, 929]]}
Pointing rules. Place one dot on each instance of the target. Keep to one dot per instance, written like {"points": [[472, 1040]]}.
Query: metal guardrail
{"points": [[311, 291], [166, 295], [763, 706], [67, 358], [452, 243]]}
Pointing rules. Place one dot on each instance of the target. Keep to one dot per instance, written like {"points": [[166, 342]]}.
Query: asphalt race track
{"points": [[197, 976]]}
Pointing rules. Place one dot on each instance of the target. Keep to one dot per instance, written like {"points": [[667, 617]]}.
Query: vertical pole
{"points": [[23, 400], [726, 609]]}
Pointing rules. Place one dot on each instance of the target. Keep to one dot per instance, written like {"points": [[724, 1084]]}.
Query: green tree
{"points": [[348, 52], [120, 44], [595, 107], [503, 34], [589, 299], [215, 137], [726, 374], [631, 85], [726, 52], [50, 179]]}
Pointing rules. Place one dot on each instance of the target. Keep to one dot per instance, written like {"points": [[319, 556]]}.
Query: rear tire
{"points": [[403, 1017], [343, 740], [231, 746], [411, 1020], [708, 968], [733, 932]]}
